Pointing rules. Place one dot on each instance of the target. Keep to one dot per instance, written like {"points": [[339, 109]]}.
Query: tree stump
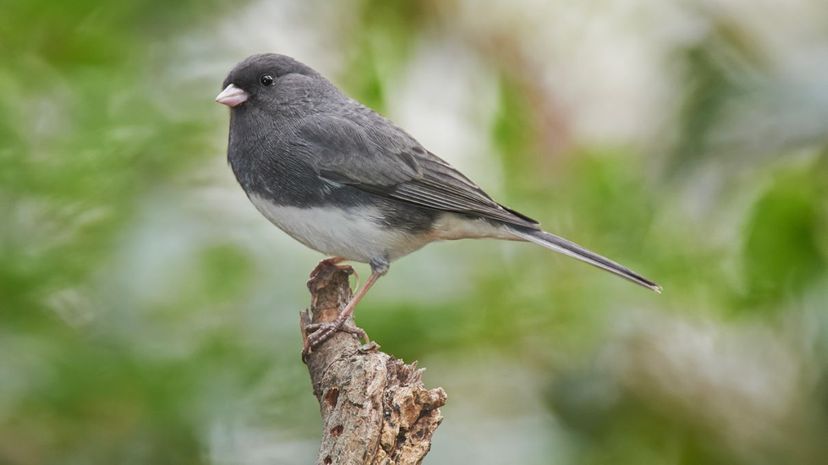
{"points": [[375, 408]]}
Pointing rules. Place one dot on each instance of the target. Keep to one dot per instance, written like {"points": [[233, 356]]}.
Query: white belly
{"points": [[349, 233]]}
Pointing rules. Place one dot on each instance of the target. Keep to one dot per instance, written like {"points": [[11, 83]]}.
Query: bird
{"points": [[345, 181]]}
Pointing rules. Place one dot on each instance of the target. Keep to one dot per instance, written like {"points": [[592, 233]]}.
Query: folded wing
{"points": [[399, 168]]}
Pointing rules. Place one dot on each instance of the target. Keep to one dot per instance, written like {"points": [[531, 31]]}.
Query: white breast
{"points": [[352, 233]]}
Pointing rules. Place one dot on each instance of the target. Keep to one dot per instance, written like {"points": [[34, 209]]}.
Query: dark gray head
{"points": [[269, 81]]}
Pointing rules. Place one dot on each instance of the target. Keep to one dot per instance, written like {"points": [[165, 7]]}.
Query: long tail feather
{"points": [[561, 245]]}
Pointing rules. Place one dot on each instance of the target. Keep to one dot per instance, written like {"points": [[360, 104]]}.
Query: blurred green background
{"points": [[148, 314]]}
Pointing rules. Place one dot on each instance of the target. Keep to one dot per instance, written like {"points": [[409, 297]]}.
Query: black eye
{"points": [[266, 80]]}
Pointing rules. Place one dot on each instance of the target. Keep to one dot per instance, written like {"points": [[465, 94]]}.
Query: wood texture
{"points": [[375, 408]]}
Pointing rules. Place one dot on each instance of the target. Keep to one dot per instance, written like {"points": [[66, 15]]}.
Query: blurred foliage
{"points": [[140, 329], [716, 68], [381, 42], [782, 251]]}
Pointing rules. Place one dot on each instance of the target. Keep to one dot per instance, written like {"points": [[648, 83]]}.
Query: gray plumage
{"points": [[307, 154]]}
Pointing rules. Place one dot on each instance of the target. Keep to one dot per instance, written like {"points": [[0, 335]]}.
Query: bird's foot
{"points": [[315, 334], [318, 333]]}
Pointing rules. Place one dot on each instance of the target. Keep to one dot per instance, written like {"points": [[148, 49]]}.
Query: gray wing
{"points": [[394, 165]]}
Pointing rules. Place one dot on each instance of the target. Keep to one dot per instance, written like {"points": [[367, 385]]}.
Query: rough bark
{"points": [[375, 408]]}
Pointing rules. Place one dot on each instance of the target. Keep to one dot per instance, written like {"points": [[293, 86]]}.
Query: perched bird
{"points": [[347, 182]]}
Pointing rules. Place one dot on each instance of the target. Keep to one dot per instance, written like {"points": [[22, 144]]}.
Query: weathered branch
{"points": [[375, 409]]}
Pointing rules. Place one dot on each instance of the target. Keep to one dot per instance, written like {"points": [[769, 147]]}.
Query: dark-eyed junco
{"points": [[347, 182]]}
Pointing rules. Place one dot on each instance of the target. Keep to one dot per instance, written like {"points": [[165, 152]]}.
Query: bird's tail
{"points": [[561, 245]]}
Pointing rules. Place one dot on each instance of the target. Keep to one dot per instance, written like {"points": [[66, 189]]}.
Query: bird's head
{"points": [[267, 79]]}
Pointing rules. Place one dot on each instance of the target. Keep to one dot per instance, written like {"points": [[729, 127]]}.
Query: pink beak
{"points": [[231, 96]]}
